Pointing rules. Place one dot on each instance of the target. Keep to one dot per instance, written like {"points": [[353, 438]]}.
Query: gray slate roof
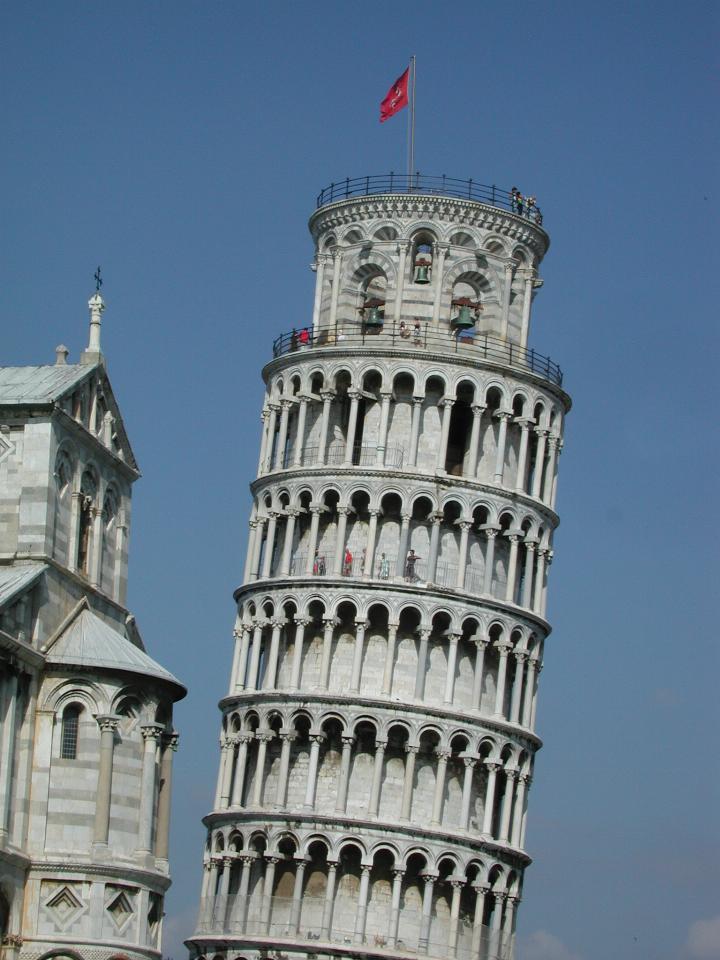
{"points": [[44, 384], [15, 579], [89, 642]]}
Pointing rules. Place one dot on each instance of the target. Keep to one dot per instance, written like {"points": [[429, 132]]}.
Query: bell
{"points": [[464, 320], [373, 318], [422, 273]]}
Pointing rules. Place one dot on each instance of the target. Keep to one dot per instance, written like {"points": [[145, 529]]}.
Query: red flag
{"points": [[396, 97]]}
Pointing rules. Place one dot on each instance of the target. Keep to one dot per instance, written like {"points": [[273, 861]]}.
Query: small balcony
{"points": [[465, 344]]}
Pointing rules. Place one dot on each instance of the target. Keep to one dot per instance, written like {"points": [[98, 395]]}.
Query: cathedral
{"points": [[86, 715]]}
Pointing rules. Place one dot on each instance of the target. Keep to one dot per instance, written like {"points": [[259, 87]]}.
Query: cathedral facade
{"points": [[378, 737], [86, 715]]}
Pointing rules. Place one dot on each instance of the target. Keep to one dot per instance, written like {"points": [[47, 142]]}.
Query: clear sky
{"points": [[182, 145]]}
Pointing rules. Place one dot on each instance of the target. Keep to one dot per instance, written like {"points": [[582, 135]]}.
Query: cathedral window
{"points": [[88, 490], [69, 732]]}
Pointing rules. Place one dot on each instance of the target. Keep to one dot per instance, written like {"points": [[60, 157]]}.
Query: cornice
{"points": [[411, 206], [344, 585], [155, 880], [480, 722], [362, 826], [342, 350], [416, 478]]}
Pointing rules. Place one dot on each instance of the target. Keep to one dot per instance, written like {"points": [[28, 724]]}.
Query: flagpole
{"points": [[411, 124]]}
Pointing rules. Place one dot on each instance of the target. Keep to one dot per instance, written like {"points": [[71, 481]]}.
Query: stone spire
{"points": [[93, 353]]}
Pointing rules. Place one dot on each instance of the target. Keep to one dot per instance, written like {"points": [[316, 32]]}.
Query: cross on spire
{"points": [[98, 280]]}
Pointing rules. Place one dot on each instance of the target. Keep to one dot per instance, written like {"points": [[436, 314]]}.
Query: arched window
{"points": [[69, 731], [88, 489]]}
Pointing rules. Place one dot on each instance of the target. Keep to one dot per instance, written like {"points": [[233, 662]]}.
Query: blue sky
{"points": [[182, 145]]}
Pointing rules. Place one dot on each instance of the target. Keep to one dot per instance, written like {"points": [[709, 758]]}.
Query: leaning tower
{"points": [[378, 735]]}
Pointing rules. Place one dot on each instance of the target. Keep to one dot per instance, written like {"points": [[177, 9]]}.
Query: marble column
{"points": [[507, 292], [299, 446], [465, 526], [469, 761], [481, 891], [243, 740], [355, 396], [300, 625], [282, 434], [454, 639], [472, 460], [272, 421], [360, 627], [162, 843], [514, 538], [386, 396], [315, 510], [344, 778], [493, 766], [296, 909], [436, 520], [103, 792], [503, 416], [478, 675], [327, 398], [520, 658], [426, 918], [337, 567], [503, 651], [252, 679], [457, 885], [389, 659], [529, 692], [317, 302], [520, 479], [151, 734], [329, 900], [539, 462], [326, 652], [403, 544], [438, 267], [369, 565], [361, 914], [8, 716], [507, 803], [518, 813], [315, 740], [530, 546], [491, 532], [439, 795], [408, 781], [270, 678], [549, 479], [263, 737], [269, 545], [447, 404], [290, 514], [374, 803], [415, 431], [421, 664], [395, 907]]}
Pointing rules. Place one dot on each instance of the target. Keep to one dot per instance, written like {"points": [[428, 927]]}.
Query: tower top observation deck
{"points": [[436, 264]]}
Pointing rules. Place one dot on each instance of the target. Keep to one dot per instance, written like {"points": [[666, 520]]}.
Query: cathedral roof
{"points": [[25, 385], [88, 641], [14, 579]]}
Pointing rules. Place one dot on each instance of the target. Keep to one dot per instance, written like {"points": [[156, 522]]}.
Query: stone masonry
{"points": [[378, 735]]}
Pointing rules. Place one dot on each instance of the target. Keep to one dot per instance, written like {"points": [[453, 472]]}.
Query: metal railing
{"points": [[385, 568], [442, 186], [287, 920], [471, 346]]}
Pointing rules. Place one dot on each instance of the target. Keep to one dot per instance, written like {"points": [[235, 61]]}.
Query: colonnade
{"points": [[9, 703], [502, 785], [411, 905], [534, 473], [514, 668], [155, 787], [528, 560]]}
